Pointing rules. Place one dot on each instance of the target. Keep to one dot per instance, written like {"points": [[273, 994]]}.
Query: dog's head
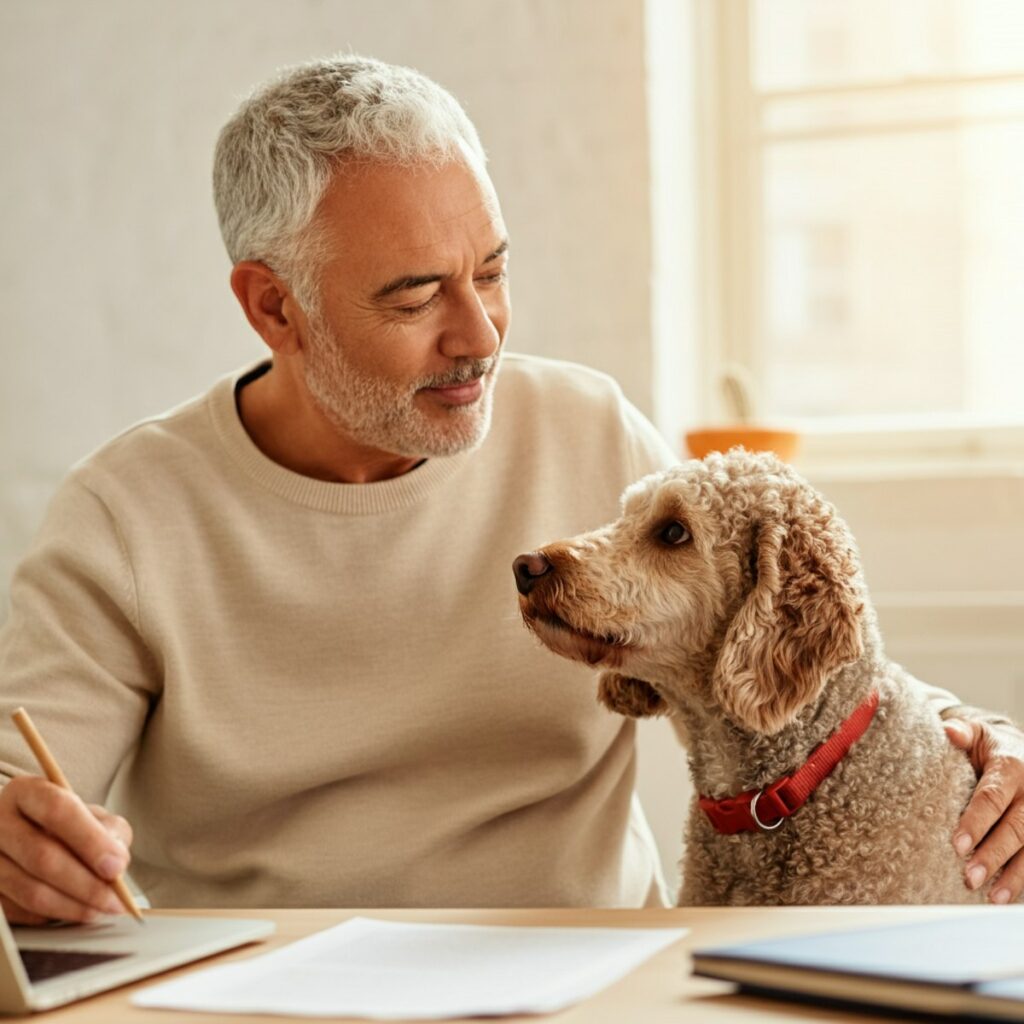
{"points": [[730, 579]]}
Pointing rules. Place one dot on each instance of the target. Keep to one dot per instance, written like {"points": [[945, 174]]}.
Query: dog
{"points": [[729, 594]]}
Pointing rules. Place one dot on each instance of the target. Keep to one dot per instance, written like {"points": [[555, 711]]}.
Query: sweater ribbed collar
{"points": [[345, 499]]}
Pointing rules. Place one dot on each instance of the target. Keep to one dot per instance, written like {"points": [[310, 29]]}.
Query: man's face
{"points": [[402, 352]]}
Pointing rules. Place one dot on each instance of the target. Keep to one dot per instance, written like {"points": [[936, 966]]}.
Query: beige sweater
{"points": [[305, 694]]}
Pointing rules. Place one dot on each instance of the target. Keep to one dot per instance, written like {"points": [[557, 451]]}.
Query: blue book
{"points": [[959, 966]]}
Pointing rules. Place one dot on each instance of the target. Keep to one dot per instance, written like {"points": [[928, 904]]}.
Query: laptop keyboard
{"points": [[41, 964]]}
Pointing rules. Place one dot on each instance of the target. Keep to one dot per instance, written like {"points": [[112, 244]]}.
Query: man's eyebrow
{"points": [[500, 251], [401, 284]]}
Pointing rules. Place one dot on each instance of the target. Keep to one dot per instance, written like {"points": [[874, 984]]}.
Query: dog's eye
{"points": [[674, 533]]}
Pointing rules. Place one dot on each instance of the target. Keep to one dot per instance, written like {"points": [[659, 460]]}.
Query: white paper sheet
{"points": [[385, 970]]}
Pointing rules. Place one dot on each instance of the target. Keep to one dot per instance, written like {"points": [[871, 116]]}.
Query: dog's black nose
{"points": [[529, 569]]}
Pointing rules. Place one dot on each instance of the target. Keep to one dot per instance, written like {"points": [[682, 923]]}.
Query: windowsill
{"points": [[844, 469], [921, 452]]}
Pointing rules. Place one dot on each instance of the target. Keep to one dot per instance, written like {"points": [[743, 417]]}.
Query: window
{"points": [[869, 168]]}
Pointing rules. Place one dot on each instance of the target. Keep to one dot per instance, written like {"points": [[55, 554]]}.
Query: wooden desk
{"points": [[661, 991]]}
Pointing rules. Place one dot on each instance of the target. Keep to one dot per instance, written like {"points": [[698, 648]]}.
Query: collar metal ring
{"points": [[760, 824]]}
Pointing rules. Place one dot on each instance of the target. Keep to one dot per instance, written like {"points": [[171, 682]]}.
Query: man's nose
{"points": [[470, 332], [529, 570]]}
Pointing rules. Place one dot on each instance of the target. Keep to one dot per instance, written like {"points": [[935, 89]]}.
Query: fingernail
{"points": [[112, 905], [975, 876], [960, 728], [110, 867], [962, 843], [1001, 896]]}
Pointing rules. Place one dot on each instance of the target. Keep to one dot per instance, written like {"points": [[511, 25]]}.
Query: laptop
{"points": [[45, 967]]}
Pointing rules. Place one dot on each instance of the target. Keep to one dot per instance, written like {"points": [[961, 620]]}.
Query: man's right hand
{"points": [[58, 855]]}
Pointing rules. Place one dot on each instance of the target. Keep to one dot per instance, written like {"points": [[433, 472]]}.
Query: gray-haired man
{"points": [[275, 627]]}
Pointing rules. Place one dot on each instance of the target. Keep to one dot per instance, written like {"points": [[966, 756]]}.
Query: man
{"points": [[276, 627]]}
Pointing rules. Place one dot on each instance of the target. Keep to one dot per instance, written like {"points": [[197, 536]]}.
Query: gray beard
{"points": [[380, 414]]}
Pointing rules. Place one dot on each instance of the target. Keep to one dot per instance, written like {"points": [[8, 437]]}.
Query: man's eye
{"points": [[496, 278], [674, 534], [421, 307]]}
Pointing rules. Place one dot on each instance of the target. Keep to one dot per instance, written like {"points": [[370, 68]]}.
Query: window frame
{"points": [[730, 224]]}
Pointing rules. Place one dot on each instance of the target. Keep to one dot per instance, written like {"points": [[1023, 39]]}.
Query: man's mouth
{"points": [[459, 394]]}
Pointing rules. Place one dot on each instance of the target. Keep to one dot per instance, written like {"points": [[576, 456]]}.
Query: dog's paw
{"points": [[630, 697]]}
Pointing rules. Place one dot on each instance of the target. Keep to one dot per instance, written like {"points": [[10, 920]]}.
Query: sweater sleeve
{"points": [[941, 700], [71, 651], [947, 705], [649, 451]]}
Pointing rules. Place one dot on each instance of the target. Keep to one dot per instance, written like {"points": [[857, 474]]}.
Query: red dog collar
{"points": [[767, 808]]}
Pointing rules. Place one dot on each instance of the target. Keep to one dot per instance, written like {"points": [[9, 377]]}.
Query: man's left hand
{"points": [[993, 823]]}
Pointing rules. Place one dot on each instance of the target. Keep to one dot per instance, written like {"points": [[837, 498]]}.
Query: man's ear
{"points": [[269, 306], [630, 697]]}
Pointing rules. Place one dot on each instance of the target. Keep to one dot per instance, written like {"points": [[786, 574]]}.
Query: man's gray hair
{"points": [[275, 157]]}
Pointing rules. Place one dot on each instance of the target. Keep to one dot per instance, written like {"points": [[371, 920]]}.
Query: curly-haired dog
{"points": [[729, 593]]}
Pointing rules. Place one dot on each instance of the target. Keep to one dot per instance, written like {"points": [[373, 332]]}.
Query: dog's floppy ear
{"points": [[630, 697], [799, 624]]}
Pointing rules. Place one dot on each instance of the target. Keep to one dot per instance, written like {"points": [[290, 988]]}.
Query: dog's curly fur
{"points": [[752, 626]]}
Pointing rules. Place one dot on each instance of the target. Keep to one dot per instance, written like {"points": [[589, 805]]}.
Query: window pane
{"points": [[893, 279], [819, 43]]}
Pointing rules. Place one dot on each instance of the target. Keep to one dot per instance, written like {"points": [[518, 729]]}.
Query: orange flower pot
{"points": [[784, 443]]}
